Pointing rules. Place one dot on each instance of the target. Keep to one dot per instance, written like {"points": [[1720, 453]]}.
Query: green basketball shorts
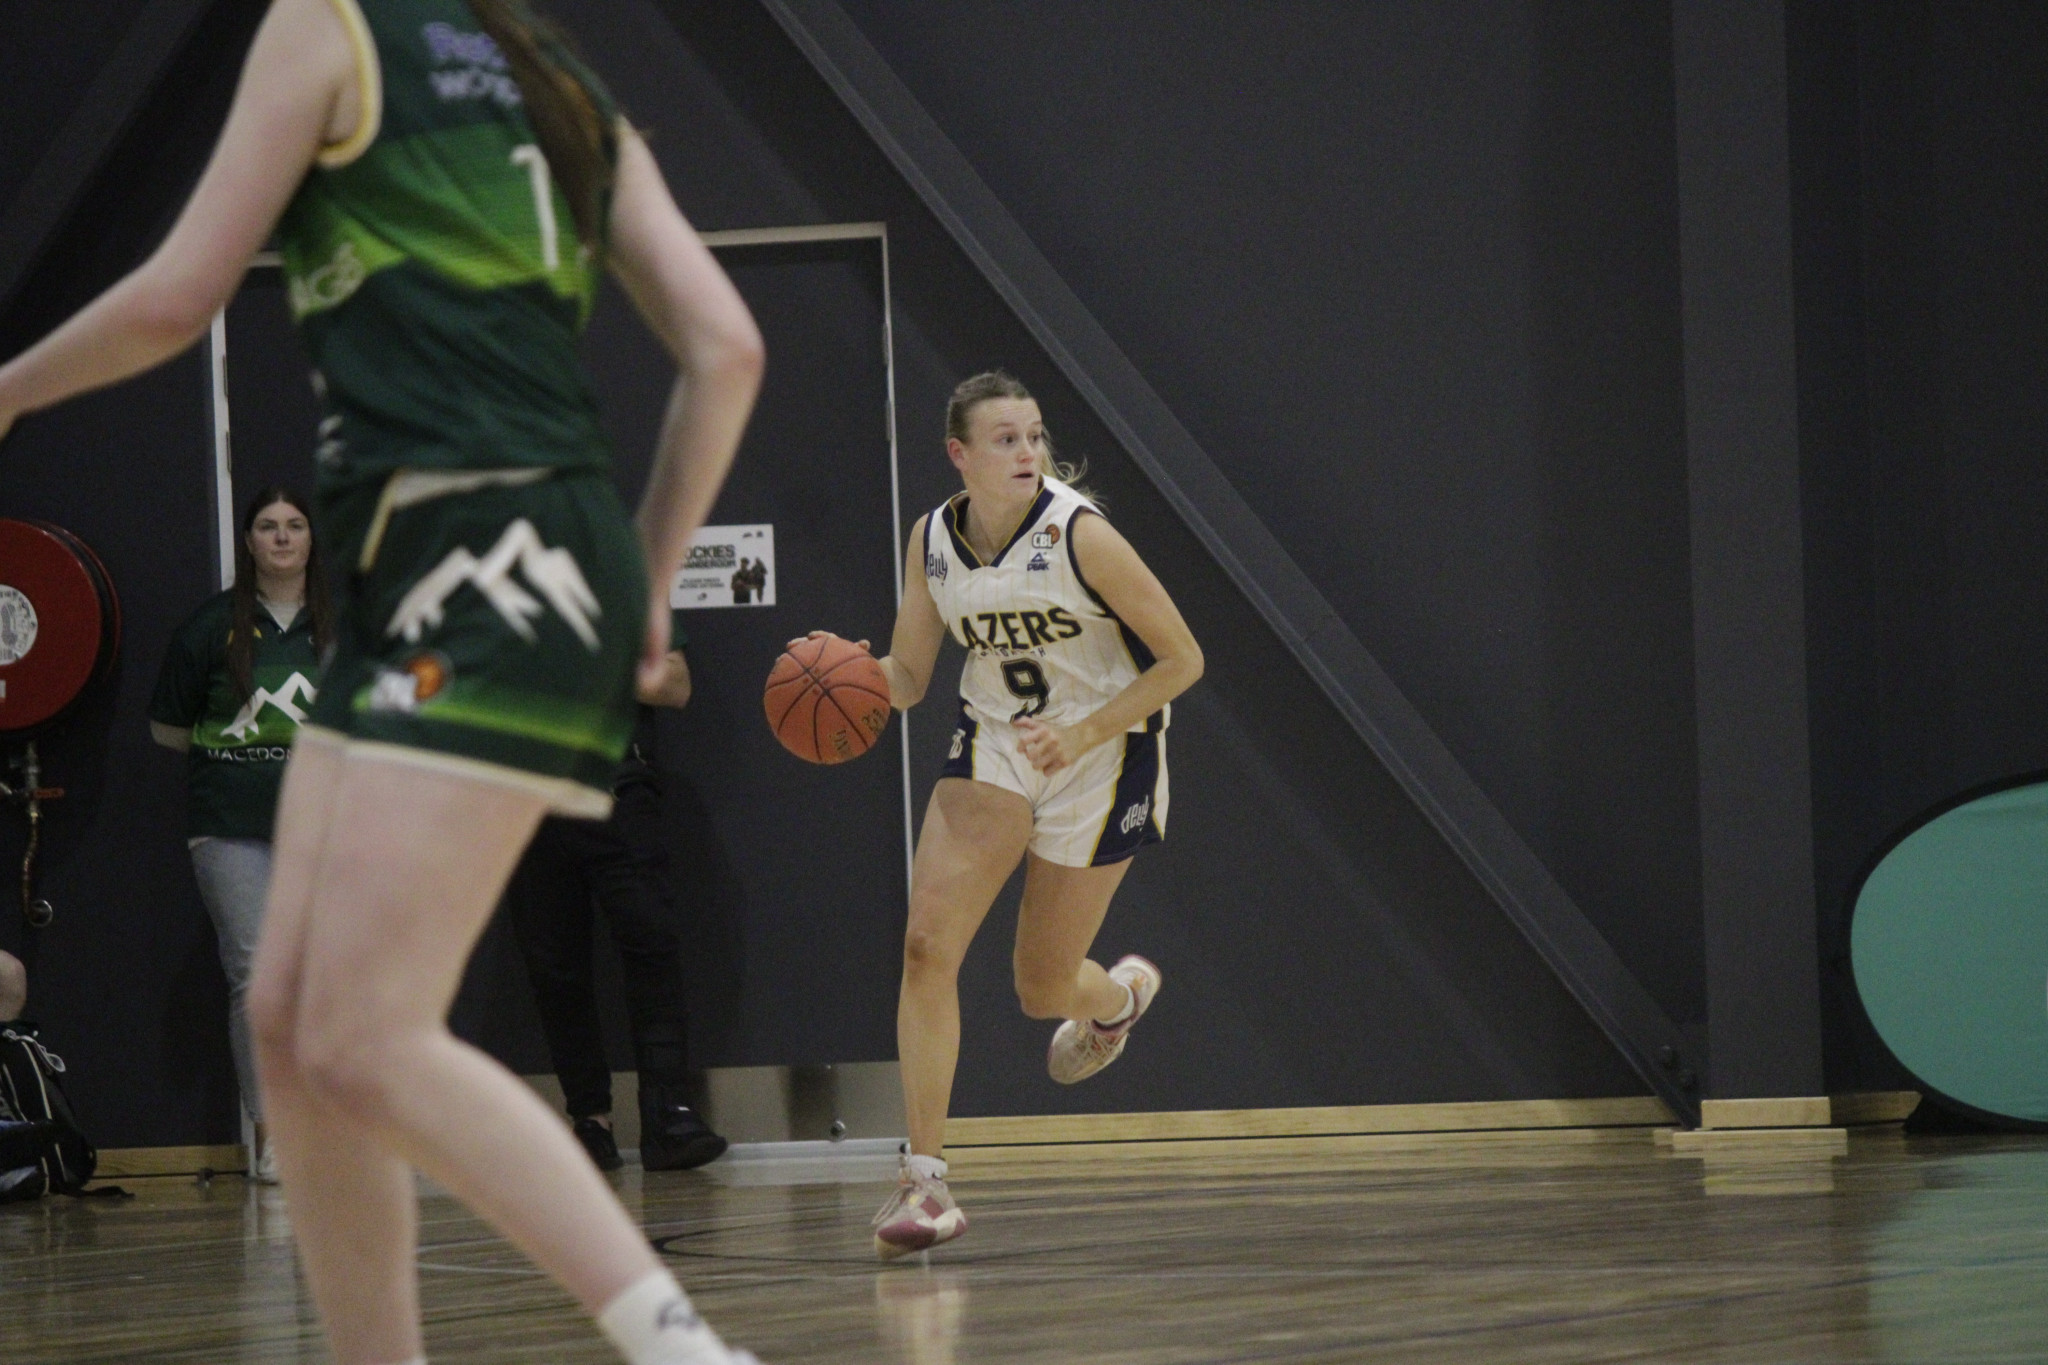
{"points": [[488, 625]]}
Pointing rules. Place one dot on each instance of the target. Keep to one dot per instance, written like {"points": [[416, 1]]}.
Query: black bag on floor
{"points": [[31, 1085]]}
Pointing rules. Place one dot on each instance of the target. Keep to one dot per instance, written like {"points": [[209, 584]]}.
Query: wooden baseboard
{"points": [[134, 1162], [1333, 1152], [1334, 1121], [968, 1135], [1761, 1143], [1810, 1111], [1873, 1106]]}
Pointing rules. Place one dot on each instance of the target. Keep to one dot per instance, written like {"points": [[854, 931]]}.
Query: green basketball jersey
{"points": [[239, 744], [435, 270]]}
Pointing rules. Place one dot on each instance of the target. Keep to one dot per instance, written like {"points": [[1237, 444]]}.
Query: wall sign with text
{"points": [[729, 566]]}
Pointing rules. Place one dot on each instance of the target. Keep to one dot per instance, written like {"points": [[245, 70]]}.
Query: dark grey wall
{"points": [[1924, 356], [1410, 274]]}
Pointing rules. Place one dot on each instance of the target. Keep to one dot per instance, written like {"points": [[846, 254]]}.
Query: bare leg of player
{"points": [[973, 836], [1062, 912], [353, 982]]}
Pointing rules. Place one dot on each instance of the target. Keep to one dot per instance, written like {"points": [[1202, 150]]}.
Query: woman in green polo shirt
{"points": [[236, 681]]}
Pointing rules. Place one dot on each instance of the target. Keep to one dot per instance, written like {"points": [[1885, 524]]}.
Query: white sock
{"points": [[930, 1167], [652, 1323], [1130, 1008]]}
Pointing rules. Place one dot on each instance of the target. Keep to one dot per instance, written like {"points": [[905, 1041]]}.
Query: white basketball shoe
{"points": [[1082, 1047]]}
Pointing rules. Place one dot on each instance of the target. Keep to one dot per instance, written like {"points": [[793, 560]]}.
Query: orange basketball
{"points": [[827, 700]]}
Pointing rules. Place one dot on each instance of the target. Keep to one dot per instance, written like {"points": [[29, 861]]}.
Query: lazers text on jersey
{"points": [[1000, 630]]}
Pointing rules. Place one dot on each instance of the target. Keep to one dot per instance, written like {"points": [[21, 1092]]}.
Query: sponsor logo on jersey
{"points": [[1038, 564], [472, 67], [935, 567], [247, 721], [247, 753], [554, 574], [419, 679], [1136, 816], [1046, 539], [330, 285], [959, 743]]}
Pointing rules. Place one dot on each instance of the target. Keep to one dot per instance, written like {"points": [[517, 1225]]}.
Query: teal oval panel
{"points": [[1950, 948]]}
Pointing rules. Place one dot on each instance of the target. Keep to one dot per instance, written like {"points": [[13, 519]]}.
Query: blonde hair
{"points": [[989, 385]]}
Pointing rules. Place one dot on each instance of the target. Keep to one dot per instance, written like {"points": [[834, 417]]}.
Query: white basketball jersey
{"points": [[1039, 641]]}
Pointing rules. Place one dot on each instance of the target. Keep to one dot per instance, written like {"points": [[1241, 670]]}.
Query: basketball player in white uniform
{"points": [[1059, 758]]}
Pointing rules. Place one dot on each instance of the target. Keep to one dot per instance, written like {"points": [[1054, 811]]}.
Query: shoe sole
{"points": [[915, 1237]]}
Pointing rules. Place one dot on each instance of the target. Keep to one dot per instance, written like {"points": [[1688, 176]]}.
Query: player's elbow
{"points": [[1191, 664], [168, 310], [170, 736], [728, 349]]}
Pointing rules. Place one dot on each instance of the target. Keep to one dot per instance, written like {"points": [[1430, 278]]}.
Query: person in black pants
{"points": [[571, 868]]}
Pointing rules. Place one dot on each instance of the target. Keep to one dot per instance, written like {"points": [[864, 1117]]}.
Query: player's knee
{"points": [[346, 1066], [926, 951], [1043, 994]]}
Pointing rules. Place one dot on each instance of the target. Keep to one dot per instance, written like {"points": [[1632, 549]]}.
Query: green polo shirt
{"points": [[239, 745]]}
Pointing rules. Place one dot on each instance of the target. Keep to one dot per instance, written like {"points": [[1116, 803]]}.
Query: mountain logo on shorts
{"points": [[247, 720], [554, 574]]}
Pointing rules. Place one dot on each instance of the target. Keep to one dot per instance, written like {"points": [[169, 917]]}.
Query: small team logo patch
{"points": [[419, 679], [935, 567], [1038, 562], [1046, 539], [1136, 816]]}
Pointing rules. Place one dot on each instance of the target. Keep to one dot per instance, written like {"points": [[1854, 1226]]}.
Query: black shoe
{"points": [[22, 1184], [674, 1137], [599, 1142]]}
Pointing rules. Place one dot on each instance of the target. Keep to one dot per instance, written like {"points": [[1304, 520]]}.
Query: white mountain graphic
{"points": [[552, 573], [285, 699]]}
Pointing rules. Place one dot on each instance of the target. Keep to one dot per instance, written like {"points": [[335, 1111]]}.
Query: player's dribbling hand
{"points": [[1047, 748], [821, 634]]}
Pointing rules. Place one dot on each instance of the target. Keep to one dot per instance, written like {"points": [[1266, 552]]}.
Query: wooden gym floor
{"points": [[1568, 1246]]}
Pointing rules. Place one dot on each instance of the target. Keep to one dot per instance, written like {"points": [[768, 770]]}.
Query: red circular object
{"points": [[59, 623], [827, 700]]}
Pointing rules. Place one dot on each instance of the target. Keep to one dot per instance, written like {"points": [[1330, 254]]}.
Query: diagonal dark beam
{"points": [[92, 132], [1262, 569]]}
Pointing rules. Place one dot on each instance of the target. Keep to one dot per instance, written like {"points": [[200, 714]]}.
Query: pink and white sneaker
{"points": [[1082, 1047], [919, 1216]]}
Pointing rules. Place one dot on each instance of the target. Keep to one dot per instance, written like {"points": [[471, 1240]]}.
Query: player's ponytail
{"points": [[567, 114], [972, 392]]}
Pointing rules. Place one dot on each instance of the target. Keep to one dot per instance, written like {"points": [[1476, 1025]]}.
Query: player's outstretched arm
{"points": [[914, 645], [1129, 589], [687, 301], [297, 94]]}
